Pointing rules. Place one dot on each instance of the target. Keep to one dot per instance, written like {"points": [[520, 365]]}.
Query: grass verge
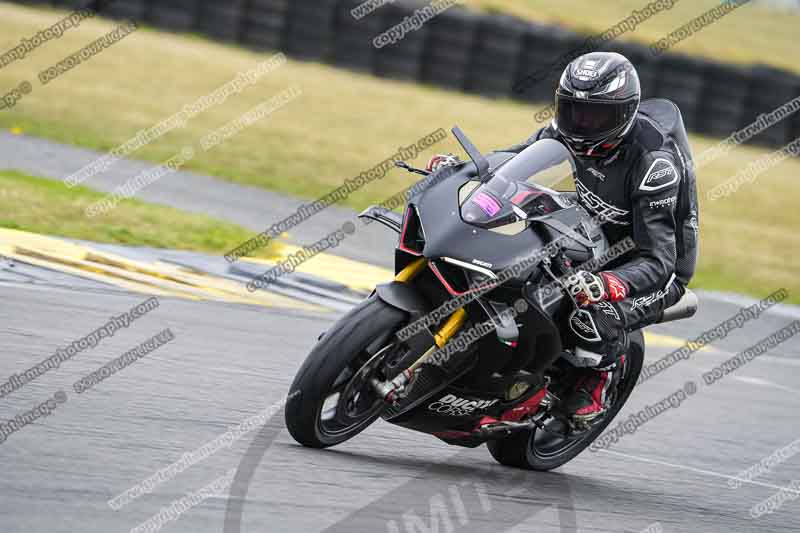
{"points": [[343, 124], [44, 206]]}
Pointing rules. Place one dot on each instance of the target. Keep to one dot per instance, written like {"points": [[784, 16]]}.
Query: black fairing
{"points": [[434, 228], [446, 234]]}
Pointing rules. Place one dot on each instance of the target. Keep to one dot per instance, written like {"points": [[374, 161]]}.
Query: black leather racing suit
{"points": [[647, 190]]}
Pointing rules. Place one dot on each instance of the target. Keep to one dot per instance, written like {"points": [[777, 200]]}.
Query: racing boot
{"points": [[593, 392]]}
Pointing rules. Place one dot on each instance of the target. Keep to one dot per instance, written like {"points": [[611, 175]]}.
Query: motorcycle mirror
{"points": [[472, 151], [406, 166]]}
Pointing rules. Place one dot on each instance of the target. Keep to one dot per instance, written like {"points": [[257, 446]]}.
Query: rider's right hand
{"points": [[588, 288], [440, 161]]}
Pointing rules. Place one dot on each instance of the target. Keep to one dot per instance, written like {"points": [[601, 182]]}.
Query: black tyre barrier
{"points": [[769, 89], [75, 4], [353, 41], [310, 28], [544, 50], [496, 55], [222, 20], [264, 24], [724, 98], [129, 9], [402, 59], [794, 131], [448, 54], [175, 15], [490, 54], [680, 79]]}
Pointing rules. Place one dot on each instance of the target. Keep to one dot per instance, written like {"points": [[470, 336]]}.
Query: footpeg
{"points": [[584, 422], [549, 400], [494, 429]]}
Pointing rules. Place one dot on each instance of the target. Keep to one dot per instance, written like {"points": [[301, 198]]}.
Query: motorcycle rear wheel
{"points": [[538, 450], [331, 407]]}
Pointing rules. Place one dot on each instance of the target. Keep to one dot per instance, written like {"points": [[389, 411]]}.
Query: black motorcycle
{"points": [[465, 343]]}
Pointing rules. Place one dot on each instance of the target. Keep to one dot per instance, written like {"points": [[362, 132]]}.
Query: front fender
{"points": [[402, 296]]}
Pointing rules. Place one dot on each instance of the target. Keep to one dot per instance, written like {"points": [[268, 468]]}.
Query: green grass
{"points": [[345, 123], [45, 206], [749, 34]]}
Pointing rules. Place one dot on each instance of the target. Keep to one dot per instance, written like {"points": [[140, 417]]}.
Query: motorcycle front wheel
{"points": [[331, 399]]}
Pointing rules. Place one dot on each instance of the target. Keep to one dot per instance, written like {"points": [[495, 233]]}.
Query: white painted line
{"points": [[699, 471], [788, 361], [781, 309], [764, 383]]}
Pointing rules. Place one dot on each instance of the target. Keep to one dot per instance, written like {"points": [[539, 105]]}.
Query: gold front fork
{"points": [[389, 390], [445, 333], [451, 325], [411, 270], [456, 320]]}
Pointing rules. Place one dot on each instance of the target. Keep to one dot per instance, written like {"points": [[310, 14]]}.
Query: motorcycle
{"points": [[465, 343]]}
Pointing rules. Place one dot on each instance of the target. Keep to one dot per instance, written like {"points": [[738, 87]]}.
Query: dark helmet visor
{"points": [[591, 119]]}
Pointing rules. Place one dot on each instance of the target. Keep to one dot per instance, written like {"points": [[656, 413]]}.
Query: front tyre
{"points": [[330, 400], [539, 450]]}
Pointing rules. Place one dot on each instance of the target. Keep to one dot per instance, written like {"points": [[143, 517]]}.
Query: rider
{"points": [[634, 170]]}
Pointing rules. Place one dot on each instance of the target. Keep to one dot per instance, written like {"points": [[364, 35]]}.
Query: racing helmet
{"points": [[596, 102]]}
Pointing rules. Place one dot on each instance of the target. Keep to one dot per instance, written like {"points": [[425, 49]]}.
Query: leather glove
{"points": [[440, 161], [588, 288]]}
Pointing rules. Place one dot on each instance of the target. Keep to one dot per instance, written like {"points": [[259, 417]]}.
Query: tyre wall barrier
{"points": [[488, 54]]}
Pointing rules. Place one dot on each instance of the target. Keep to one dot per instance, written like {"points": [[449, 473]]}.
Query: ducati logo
{"points": [[452, 405]]}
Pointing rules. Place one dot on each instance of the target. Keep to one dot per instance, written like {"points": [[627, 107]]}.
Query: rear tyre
{"points": [[330, 400], [539, 450]]}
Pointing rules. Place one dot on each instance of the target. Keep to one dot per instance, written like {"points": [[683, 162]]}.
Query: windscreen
{"points": [[523, 187]]}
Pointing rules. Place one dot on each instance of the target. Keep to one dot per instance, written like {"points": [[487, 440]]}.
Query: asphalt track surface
{"points": [[229, 362]]}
